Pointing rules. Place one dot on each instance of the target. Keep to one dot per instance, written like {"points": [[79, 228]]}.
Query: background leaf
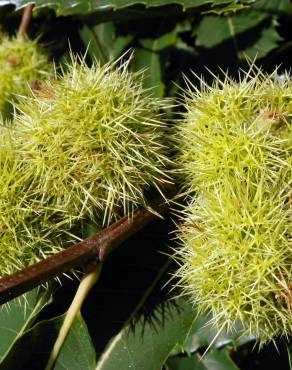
{"points": [[218, 360], [267, 42], [213, 360], [174, 330], [150, 62], [185, 363], [213, 29], [274, 6], [147, 344], [77, 352], [202, 334], [102, 42], [162, 42], [289, 349], [89, 6], [17, 316], [251, 34]]}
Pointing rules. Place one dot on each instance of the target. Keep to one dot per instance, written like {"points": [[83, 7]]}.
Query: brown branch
{"points": [[98, 246], [25, 20]]}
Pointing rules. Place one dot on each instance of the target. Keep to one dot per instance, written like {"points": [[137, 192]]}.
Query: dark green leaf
{"points": [[268, 41], [213, 360], [274, 6], [94, 44], [289, 349], [233, 7], [147, 345], [89, 6], [35, 346], [162, 42], [202, 335], [185, 363], [150, 62], [17, 317], [77, 352], [102, 42], [213, 29], [218, 360]]}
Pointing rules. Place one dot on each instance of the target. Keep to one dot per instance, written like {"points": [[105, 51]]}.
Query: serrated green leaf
{"points": [[233, 7], [268, 41], [17, 317], [213, 29], [88, 6], [35, 346], [147, 345]]}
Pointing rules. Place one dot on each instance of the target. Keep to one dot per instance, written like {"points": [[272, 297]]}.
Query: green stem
{"points": [[85, 285]]}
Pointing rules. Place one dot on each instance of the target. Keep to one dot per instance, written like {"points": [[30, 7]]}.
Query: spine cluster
{"points": [[22, 64], [83, 146], [235, 160], [92, 139]]}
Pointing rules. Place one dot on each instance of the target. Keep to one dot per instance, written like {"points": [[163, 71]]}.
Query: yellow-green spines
{"points": [[235, 161], [29, 228], [93, 140], [22, 64], [85, 144]]}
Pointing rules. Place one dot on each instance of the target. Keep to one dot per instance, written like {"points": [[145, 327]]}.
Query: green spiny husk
{"points": [[84, 146], [22, 65], [93, 140], [29, 229], [235, 162]]}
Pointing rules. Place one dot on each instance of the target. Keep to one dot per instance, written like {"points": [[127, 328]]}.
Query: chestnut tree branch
{"points": [[25, 20], [98, 246]]}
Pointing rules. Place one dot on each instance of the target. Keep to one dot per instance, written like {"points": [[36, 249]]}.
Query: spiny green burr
{"points": [[235, 161], [22, 65], [93, 139], [84, 147]]}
